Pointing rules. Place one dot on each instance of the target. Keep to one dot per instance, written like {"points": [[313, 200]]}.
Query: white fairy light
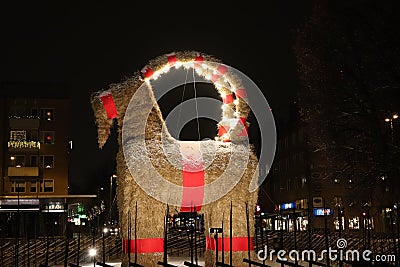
{"points": [[178, 64], [199, 71], [236, 101]]}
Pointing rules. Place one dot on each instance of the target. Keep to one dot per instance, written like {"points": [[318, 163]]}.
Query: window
{"points": [[368, 223], [354, 223], [17, 160], [336, 222], [17, 135], [47, 185], [338, 201], [33, 187], [303, 181], [32, 135], [34, 160], [18, 186], [47, 114], [47, 137], [47, 161]]}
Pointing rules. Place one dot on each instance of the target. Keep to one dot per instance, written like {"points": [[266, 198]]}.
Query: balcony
{"points": [[23, 171], [21, 123], [23, 146]]}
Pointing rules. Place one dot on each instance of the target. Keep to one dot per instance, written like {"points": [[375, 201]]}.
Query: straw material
{"points": [[221, 159]]}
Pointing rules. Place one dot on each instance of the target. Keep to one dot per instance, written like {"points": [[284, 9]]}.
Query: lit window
{"points": [[47, 137], [354, 223], [47, 185], [336, 222], [47, 114], [17, 161], [47, 161], [17, 136], [18, 186]]}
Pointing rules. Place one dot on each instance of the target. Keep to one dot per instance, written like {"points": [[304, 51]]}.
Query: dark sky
{"points": [[83, 47]]}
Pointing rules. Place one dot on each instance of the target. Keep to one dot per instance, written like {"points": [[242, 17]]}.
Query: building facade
{"points": [[36, 154], [296, 192], [34, 164]]}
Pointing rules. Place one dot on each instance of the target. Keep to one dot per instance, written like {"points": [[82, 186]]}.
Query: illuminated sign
{"points": [[286, 206], [54, 207], [323, 212], [19, 204]]}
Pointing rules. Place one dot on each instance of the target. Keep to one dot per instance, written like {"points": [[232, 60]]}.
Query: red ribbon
{"points": [[238, 243], [245, 131], [242, 120], [222, 130], [171, 59], [199, 59], [222, 69], [144, 245], [193, 191], [109, 106], [227, 99], [193, 178], [147, 72], [241, 93]]}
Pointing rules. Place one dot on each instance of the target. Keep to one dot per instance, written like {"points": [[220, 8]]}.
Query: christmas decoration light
{"points": [[24, 144]]}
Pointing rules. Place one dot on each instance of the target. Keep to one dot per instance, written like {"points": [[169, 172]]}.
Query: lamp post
{"points": [[111, 191], [390, 120], [92, 253]]}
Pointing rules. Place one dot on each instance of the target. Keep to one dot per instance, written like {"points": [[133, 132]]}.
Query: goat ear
{"points": [[102, 120]]}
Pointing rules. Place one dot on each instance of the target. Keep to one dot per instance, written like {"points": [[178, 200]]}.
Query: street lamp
{"points": [[92, 253], [390, 120]]}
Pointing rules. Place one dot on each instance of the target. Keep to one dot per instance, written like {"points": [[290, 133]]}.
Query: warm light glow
{"points": [[92, 252], [105, 230], [236, 101], [24, 144], [12, 157], [395, 116], [387, 119]]}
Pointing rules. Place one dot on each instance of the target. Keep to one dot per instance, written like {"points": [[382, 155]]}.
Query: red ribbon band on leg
{"points": [[238, 243], [144, 245], [109, 105], [193, 177]]}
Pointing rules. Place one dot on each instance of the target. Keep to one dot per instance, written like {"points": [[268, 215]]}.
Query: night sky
{"points": [[74, 50]]}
